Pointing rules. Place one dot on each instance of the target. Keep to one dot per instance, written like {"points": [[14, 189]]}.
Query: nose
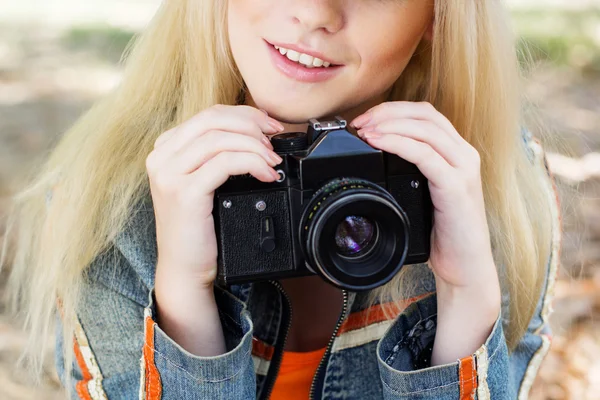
{"points": [[326, 15]]}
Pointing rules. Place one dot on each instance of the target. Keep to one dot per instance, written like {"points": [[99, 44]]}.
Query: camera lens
{"points": [[354, 234]]}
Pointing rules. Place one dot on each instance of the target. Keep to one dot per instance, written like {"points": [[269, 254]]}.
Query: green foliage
{"points": [[562, 37], [104, 41]]}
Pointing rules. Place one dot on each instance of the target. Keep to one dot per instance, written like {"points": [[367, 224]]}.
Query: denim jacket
{"points": [[121, 352]]}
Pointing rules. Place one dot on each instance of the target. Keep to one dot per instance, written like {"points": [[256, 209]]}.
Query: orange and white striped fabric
{"points": [[90, 387], [150, 384]]}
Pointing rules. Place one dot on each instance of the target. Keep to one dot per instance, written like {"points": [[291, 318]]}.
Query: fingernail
{"points": [[275, 157], [271, 129], [275, 174], [276, 125], [267, 142], [372, 135], [361, 120]]}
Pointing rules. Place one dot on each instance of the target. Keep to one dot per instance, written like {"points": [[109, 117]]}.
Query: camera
{"points": [[352, 214]]}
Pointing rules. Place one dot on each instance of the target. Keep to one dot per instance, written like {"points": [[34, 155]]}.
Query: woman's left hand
{"points": [[461, 255]]}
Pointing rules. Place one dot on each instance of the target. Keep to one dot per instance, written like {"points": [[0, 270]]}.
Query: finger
{"points": [[164, 137], [214, 142], [240, 119], [408, 109], [423, 131], [218, 169], [431, 164]]}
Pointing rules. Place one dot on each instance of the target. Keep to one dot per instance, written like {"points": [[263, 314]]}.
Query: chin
{"points": [[296, 113]]}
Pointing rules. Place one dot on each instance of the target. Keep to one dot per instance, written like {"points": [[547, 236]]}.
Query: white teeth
{"points": [[307, 60], [293, 55], [304, 59]]}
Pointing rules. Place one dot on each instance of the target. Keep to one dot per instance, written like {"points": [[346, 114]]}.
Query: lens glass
{"points": [[355, 236]]}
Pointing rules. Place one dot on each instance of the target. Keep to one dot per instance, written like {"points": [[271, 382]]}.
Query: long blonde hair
{"points": [[181, 65]]}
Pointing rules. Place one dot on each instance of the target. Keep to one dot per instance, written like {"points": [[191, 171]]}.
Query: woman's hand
{"points": [[187, 165], [461, 257]]}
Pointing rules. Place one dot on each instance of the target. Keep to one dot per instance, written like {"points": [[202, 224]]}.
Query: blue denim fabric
{"points": [[210, 377], [381, 369], [412, 331], [118, 293]]}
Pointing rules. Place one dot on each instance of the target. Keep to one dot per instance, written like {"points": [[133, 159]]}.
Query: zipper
{"points": [[279, 347], [330, 344]]}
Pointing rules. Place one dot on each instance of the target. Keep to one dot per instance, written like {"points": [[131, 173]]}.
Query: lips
{"points": [[299, 72], [302, 58], [301, 50]]}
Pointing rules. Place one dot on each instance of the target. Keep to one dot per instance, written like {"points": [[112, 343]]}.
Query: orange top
{"points": [[296, 374]]}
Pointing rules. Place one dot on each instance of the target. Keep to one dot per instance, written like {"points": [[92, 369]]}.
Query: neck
{"points": [[316, 307], [347, 115]]}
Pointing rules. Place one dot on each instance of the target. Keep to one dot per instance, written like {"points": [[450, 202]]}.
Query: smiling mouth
{"points": [[303, 59], [300, 66], [306, 60]]}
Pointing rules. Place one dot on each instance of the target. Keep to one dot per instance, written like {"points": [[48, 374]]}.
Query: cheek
{"points": [[240, 18], [386, 57], [384, 51], [243, 14], [382, 64], [235, 11]]}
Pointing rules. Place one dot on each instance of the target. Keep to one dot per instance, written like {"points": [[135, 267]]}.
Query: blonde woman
{"points": [[116, 241]]}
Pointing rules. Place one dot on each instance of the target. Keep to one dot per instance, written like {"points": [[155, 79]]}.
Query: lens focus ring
{"points": [[354, 234]]}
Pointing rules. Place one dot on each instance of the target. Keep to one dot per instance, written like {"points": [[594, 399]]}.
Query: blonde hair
{"points": [[181, 65]]}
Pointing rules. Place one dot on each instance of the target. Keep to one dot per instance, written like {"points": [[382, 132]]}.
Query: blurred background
{"points": [[58, 56]]}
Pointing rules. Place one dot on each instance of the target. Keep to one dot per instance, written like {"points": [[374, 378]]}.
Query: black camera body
{"points": [[341, 209]]}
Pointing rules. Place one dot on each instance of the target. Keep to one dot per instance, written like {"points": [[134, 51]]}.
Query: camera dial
{"points": [[289, 142]]}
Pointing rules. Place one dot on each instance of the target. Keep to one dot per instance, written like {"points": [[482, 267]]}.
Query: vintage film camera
{"points": [[341, 209]]}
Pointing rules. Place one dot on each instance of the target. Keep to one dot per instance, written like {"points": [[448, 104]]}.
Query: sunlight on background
{"points": [[58, 56]]}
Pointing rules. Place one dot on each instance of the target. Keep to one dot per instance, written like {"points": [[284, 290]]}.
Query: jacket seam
{"points": [[127, 296], [539, 158], [229, 317], [418, 391], [495, 350], [122, 293], [492, 356], [174, 364], [542, 353], [436, 387]]}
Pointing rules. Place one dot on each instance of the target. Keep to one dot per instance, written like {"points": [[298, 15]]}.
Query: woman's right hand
{"points": [[187, 165]]}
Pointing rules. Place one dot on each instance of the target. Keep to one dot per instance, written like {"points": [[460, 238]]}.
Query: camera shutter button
{"points": [[289, 142], [267, 234]]}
